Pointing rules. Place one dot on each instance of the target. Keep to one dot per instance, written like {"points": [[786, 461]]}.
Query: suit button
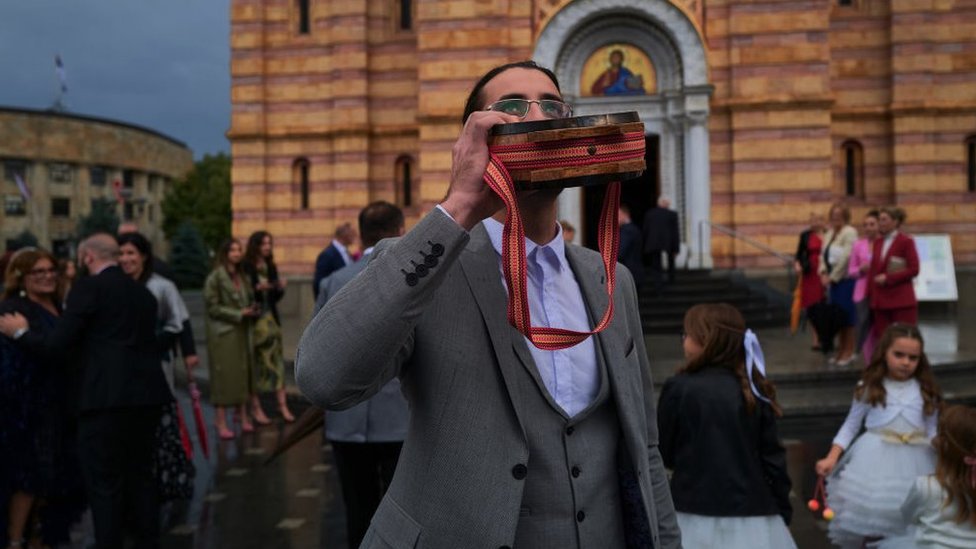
{"points": [[580, 516], [519, 471], [422, 270], [436, 249], [411, 279], [569, 430], [430, 261], [576, 471]]}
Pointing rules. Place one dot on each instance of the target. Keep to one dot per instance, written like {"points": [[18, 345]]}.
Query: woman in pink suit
{"points": [[894, 265], [857, 269]]}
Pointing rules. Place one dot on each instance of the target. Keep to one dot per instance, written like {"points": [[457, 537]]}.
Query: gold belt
{"points": [[894, 437]]}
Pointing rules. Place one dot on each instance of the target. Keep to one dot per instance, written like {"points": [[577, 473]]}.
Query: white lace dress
{"points": [[868, 486], [930, 523]]}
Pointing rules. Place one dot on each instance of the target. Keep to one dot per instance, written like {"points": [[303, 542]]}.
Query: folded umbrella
{"points": [[197, 412]]}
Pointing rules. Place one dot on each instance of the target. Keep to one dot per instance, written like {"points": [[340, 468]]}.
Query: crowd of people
{"points": [[450, 427], [87, 381], [856, 285]]}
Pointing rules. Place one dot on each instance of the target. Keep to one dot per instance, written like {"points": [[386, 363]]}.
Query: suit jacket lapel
{"points": [[479, 263]]}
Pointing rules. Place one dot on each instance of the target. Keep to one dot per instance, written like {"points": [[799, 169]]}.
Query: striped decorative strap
{"points": [[543, 155]]}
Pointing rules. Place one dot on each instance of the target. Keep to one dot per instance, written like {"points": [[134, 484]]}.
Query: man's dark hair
{"points": [[474, 102], [379, 220]]}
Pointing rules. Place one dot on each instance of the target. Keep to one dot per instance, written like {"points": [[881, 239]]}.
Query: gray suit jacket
{"points": [[447, 338], [384, 416]]}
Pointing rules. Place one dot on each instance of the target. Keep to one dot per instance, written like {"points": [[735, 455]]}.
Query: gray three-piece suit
{"points": [[489, 459]]}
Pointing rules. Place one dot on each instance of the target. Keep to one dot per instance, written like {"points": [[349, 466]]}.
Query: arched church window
{"points": [[304, 19], [300, 169], [971, 163], [853, 168], [404, 181], [406, 15]]}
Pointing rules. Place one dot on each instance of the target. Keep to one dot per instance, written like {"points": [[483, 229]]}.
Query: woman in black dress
{"points": [[41, 494]]}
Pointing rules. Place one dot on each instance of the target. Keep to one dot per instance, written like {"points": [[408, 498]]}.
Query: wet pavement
{"points": [[295, 502]]}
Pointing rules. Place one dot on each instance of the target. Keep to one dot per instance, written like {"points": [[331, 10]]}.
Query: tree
{"points": [[188, 259], [203, 199], [102, 219], [25, 239]]}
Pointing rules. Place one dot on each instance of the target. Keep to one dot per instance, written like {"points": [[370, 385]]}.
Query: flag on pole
{"points": [[62, 74], [24, 191]]}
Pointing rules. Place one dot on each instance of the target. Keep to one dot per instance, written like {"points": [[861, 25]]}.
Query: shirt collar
{"points": [[557, 246], [891, 235], [339, 246]]}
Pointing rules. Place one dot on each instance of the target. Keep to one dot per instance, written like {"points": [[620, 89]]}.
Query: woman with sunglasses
{"points": [[39, 470]]}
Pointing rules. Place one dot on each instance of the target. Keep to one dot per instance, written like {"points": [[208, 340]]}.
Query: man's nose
{"points": [[535, 113]]}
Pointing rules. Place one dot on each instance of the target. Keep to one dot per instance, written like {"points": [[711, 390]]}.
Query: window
{"points": [[404, 181], [128, 211], [853, 154], [59, 173], [304, 23], [14, 205], [406, 15], [971, 164], [128, 179], [845, 2], [299, 175], [60, 207], [98, 175], [13, 168]]}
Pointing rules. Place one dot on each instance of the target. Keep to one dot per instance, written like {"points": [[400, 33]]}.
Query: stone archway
{"points": [[677, 114]]}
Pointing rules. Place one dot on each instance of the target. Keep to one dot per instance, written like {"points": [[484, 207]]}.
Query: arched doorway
{"points": [[669, 64]]}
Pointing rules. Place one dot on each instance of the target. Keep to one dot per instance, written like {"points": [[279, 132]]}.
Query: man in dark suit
{"points": [[661, 234], [335, 256], [111, 319], [630, 245], [366, 439]]}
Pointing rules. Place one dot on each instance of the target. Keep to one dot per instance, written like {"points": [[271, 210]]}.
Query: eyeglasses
{"points": [[520, 107], [42, 272]]}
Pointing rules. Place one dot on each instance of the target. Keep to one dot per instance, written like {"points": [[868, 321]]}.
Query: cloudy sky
{"points": [[163, 64]]}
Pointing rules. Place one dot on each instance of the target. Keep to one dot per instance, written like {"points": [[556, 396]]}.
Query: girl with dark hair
{"points": [[717, 422], [230, 314], [898, 402], [174, 470], [40, 477], [941, 508], [268, 287]]}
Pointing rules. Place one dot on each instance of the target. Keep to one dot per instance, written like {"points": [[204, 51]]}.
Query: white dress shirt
{"points": [[886, 245], [570, 375], [343, 252]]}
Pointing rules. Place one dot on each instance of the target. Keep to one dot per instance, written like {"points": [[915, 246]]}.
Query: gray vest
{"points": [[572, 494]]}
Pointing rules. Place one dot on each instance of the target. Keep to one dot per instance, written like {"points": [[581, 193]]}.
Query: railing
{"points": [[787, 260]]}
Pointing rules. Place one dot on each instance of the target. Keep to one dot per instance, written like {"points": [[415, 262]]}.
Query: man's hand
{"points": [[191, 361], [11, 322], [881, 279], [470, 200]]}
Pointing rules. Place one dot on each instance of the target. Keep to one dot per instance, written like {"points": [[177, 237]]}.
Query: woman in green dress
{"points": [[268, 287], [230, 318]]}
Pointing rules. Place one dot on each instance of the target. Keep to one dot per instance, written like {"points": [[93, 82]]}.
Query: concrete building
{"points": [[757, 113], [66, 161]]}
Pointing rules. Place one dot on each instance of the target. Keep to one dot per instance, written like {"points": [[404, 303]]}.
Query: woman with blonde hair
{"points": [[834, 259]]}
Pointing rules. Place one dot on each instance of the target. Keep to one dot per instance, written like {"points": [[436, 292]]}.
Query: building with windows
{"points": [[757, 113], [55, 164]]}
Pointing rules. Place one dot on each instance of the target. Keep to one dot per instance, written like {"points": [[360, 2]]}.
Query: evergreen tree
{"points": [[202, 198], [102, 219], [188, 257], [23, 240]]}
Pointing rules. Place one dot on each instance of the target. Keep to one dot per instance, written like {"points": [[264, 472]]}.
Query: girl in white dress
{"points": [[941, 508], [898, 401]]}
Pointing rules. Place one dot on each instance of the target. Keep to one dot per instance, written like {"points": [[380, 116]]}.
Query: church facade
{"points": [[757, 113]]}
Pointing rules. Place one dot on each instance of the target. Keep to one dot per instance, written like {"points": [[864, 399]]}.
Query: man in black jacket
{"points": [[661, 234], [111, 319]]}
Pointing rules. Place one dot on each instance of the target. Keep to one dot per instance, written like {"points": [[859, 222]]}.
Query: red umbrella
{"points": [[197, 411]]}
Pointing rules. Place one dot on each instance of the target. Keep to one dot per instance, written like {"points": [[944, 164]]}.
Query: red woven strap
{"points": [[554, 155]]}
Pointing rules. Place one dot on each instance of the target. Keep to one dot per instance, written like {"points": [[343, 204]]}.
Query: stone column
{"points": [[698, 197]]}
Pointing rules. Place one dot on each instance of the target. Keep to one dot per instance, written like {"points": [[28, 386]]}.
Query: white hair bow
{"points": [[754, 359]]}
